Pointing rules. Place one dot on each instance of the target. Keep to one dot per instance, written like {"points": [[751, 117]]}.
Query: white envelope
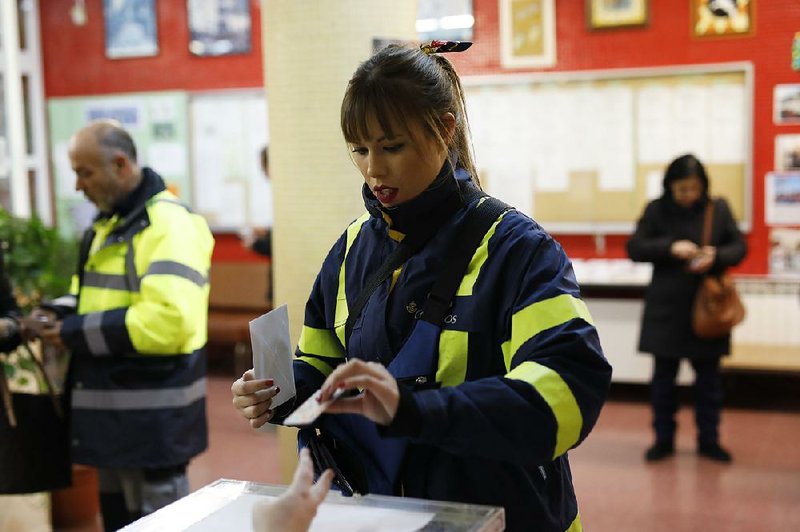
{"points": [[272, 352]]}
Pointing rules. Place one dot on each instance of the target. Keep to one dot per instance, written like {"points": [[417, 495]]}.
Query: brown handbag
{"points": [[717, 305]]}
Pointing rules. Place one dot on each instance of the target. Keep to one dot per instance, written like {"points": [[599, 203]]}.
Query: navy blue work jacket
{"points": [[520, 376]]}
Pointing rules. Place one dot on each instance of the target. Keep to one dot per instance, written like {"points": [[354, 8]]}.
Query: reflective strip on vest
{"points": [[454, 345], [318, 364], [340, 317], [149, 399], [453, 350], [130, 268], [168, 267], [477, 261], [540, 316], [576, 525], [93, 332], [320, 342], [109, 281], [131, 283], [558, 396]]}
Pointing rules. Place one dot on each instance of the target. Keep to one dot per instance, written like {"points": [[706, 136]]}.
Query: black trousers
{"points": [[707, 398]]}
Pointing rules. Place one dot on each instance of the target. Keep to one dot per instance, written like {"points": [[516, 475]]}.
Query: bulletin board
{"points": [[228, 131], [584, 152], [158, 124]]}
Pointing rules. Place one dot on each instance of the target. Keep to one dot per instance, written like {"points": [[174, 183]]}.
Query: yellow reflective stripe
{"points": [[320, 342], [576, 525], [97, 299], [540, 316], [318, 364], [452, 357], [340, 317], [477, 261], [559, 398]]}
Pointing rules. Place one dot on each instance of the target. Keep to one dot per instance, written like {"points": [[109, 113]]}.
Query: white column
{"points": [[310, 52], [14, 109]]}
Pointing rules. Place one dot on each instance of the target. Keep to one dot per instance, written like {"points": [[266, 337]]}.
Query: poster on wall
{"points": [[130, 28], [601, 14], [786, 104], [787, 153], [782, 198], [784, 251], [219, 27], [720, 18], [158, 123], [527, 33], [228, 132]]}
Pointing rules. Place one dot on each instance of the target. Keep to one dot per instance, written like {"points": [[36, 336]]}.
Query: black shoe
{"points": [[715, 452], [659, 451]]}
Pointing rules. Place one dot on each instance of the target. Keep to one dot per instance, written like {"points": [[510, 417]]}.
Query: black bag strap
{"points": [[412, 243], [473, 229], [460, 252]]}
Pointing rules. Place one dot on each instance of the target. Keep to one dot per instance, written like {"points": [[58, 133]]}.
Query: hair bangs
{"points": [[386, 103]]}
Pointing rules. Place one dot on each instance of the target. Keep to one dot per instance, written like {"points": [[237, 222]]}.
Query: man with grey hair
{"points": [[135, 324]]}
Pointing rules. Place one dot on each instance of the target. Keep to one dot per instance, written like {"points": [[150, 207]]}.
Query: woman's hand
{"points": [[703, 260], [253, 398], [295, 509], [380, 395], [683, 249]]}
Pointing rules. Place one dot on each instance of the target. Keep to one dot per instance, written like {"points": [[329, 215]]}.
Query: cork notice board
{"points": [[584, 152]]}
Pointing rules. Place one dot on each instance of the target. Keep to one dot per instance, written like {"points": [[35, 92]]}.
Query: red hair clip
{"points": [[438, 47]]}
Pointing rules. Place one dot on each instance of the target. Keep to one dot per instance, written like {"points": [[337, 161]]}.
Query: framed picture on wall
{"points": [[782, 198], [786, 104], [722, 18], [527, 33], [787, 153], [219, 27], [602, 14], [130, 28]]}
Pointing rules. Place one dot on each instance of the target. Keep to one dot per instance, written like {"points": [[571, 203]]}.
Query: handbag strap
{"points": [[460, 252], [412, 243], [50, 390], [5, 391], [707, 222]]}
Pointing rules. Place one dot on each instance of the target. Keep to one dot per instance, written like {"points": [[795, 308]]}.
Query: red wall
{"points": [[75, 64], [667, 40]]}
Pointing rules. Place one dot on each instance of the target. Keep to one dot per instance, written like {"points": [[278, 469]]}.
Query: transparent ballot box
{"points": [[227, 505]]}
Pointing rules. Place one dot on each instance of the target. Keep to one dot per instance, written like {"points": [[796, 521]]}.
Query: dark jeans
{"points": [[707, 397]]}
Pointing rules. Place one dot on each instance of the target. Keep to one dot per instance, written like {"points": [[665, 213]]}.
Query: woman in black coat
{"points": [[669, 234]]}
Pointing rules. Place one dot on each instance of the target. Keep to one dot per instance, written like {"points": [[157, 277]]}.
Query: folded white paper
{"points": [[272, 351]]}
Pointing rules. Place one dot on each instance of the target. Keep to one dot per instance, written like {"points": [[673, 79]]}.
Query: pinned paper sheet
{"points": [[272, 351]]}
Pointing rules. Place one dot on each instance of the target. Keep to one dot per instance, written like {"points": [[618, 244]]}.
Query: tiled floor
{"points": [[617, 491]]}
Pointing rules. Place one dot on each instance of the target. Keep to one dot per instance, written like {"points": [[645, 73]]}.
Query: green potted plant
{"points": [[39, 262]]}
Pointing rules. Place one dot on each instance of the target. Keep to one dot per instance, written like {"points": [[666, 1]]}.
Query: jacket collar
{"points": [[133, 205], [442, 196]]}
